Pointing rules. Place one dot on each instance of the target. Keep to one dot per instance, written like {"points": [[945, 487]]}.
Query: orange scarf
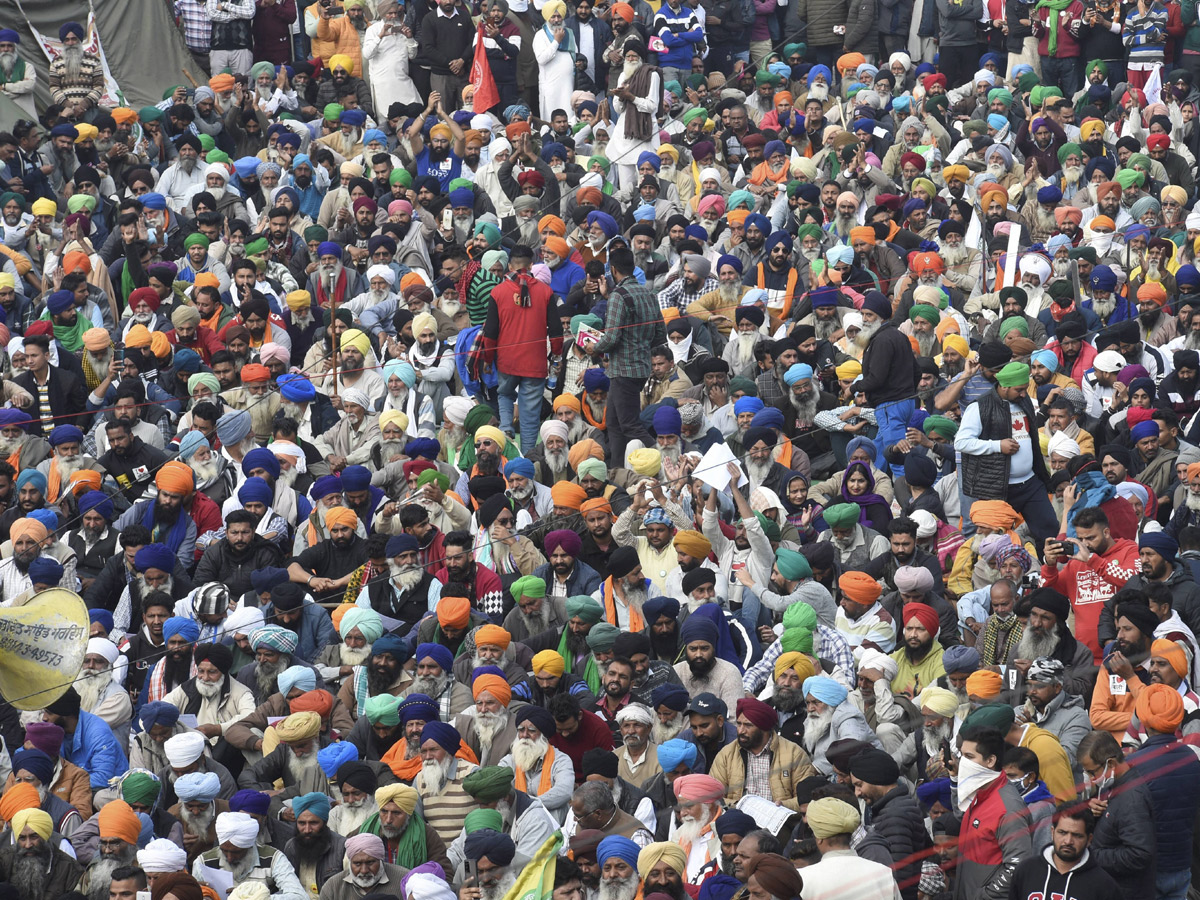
{"points": [[792, 279], [543, 783], [408, 769], [587, 414], [53, 481], [763, 173], [213, 322], [14, 460], [610, 610]]}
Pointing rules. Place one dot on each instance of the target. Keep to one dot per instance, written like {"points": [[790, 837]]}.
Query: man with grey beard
{"points": [[239, 854], [617, 857], [197, 810], [36, 869], [490, 731], [492, 853], [435, 679], [1046, 635], [532, 756], [76, 74], [17, 78], [294, 761], [119, 827], [527, 220]]}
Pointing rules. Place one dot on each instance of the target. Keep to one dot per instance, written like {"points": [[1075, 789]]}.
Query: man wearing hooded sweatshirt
{"points": [[1066, 868]]}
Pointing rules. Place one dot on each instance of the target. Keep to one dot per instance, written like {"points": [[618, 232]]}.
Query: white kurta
{"points": [[624, 151], [556, 75], [388, 58]]}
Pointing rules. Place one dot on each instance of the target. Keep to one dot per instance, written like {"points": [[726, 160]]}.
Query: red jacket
{"points": [[1083, 362], [515, 334], [592, 732], [207, 516], [1088, 585], [205, 343], [488, 596]]}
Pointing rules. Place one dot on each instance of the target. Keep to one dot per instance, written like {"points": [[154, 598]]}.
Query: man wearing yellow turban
{"points": [[555, 43]]}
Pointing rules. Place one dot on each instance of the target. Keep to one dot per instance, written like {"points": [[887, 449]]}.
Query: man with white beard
{"points": [[32, 449], [925, 746], [540, 770], [66, 459], [739, 352], [119, 827], [379, 281], [526, 491], [831, 717], [240, 857], [359, 628], [197, 810], [17, 77], [715, 306], [617, 857], [214, 474], [961, 261], [294, 761], [357, 792], [1046, 635], [637, 760], [490, 732], [364, 871], [99, 693], [185, 176], [1035, 273], [923, 319], [440, 780], [215, 699], [1102, 290]]}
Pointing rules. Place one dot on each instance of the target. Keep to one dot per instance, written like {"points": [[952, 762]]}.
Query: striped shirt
{"points": [[444, 812]]}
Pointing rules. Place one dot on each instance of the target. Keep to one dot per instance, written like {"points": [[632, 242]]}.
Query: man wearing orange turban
{"points": [[567, 496], [326, 570], [454, 612], [556, 245], [492, 730], [495, 639], [553, 224], [984, 684], [176, 478]]}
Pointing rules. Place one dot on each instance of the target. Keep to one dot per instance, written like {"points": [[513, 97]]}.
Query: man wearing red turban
{"points": [[919, 660]]}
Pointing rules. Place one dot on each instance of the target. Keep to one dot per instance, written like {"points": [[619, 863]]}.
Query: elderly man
{"points": [[316, 851], [440, 781], [32, 864], [119, 827], [534, 613], [1051, 708], [490, 731], [212, 696], [435, 678], [408, 839], [197, 811], [757, 740], [770, 875], [294, 760], [1046, 634], [492, 852], [698, 801], [273, 647], [538, 769], [638, 761], [617, 857], [66, 458], [239, 858], [831, 717], [99, 693], [404, 756], [185, 756]]}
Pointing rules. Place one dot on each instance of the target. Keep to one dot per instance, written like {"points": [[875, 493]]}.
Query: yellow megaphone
{"points": [[42, 645]]}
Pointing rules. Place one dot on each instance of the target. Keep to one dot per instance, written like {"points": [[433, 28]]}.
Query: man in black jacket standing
{"points": [[1067, 867], [445, 39], [889, 375], [893, 814], [59, 397]]}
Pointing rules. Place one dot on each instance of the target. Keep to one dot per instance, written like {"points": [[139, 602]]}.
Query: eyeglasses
{"points": [[507, 521]]}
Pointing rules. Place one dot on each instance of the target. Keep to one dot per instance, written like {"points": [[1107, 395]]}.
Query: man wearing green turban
{"points": [[841, 516], [489, 784], [1014, 323], [924, 311], [1013, 375], [583, 615], [140, 789], [1128, 178], [1096, 71], [1000, 96], [483, 818], [1066, 151], [793, 567], [945, 428], [383, 709]]}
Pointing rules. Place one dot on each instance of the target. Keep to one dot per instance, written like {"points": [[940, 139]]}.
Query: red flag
{"points": [[486, 95]]}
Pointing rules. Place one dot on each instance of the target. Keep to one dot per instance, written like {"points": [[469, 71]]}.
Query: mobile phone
{"points": [[1069, 548], [472, 873], [447, 219], [119, 353]]}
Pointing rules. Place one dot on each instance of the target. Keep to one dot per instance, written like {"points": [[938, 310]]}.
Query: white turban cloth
{"points": [[237, 828]]}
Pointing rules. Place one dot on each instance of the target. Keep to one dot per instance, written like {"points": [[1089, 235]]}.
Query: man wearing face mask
{"points": [[1124, 844], [995, 836]]}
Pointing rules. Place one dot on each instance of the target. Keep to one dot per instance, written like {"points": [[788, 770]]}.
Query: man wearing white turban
{"points": [[424, 886], [1035, 272], [100, 693], [239, 858], [185, 755], [1060, 450], [160, 857]]}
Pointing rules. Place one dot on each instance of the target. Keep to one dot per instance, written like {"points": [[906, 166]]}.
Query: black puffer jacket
{"points": [[898, 819]]}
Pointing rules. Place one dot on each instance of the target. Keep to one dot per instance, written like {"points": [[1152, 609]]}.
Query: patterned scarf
{"points": [[991, 637]]}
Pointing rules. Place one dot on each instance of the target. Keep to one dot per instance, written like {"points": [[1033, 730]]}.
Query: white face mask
{"points": [[1102, 784], [971, 778]]}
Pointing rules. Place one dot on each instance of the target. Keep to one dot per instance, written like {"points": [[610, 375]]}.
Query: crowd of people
{"points": [[630, 451]]}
